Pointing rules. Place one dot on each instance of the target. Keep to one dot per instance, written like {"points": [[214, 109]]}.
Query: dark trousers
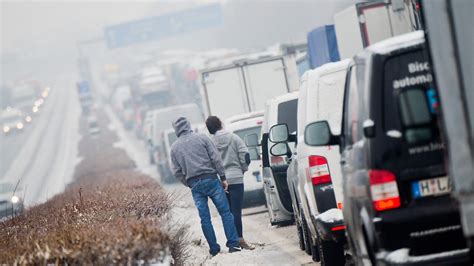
{"points": [[236, 198]]}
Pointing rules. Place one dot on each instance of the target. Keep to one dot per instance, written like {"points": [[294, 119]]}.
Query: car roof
{"points": [[325, 69], [396, 43], [284, 98], [242, 117]]}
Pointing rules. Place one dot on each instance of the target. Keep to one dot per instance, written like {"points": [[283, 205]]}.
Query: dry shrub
{"points": [[110, 214]]}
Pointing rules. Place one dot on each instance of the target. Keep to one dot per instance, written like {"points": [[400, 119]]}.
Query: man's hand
{"points": [[225, 185]]}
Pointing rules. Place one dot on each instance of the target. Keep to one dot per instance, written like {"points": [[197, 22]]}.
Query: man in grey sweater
{"points": [[197, 164], [236, 159]]}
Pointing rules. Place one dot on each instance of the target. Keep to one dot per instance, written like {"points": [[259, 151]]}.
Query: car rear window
{"points": [[410, 102], [287, 112], [248, 131], [172, 137]]}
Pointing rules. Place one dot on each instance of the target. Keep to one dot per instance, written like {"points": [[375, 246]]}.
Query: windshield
{"points": [[287, 112], [172, 138], [242, 133]]}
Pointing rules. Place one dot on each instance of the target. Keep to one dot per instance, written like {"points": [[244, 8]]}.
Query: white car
{"points": [[315, 174], [12, 121], [243, 126], [93, 126], [11, 202], [282, 109]]}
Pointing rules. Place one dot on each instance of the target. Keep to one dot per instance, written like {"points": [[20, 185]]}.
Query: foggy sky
{"points": [[44, 34]]}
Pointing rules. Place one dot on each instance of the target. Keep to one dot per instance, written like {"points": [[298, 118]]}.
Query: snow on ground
{"points": [[274, 245], [402, 256]]}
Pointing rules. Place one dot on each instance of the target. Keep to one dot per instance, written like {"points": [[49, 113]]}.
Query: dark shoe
{"points": [[246, 245], [213, 253], [235, 249]]}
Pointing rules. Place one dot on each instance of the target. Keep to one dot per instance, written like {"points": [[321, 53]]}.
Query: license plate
{"points": [[431, 187]]}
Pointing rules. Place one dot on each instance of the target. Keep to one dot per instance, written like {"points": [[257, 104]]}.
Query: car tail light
{"points": [[319, 170], [384, 190], [277, 160], [338, 228]]}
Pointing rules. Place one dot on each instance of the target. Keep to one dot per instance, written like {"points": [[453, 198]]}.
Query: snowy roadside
{"points": [[275, 245]]}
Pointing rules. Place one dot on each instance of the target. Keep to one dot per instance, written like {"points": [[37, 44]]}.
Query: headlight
{"points": [[35, 109], [6, 129], [15, 199], [28, 119], [19, 125]]}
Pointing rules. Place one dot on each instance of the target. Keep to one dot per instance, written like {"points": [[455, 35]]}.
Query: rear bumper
{"points": [[330, 230], [401, 257], [427, 227]]}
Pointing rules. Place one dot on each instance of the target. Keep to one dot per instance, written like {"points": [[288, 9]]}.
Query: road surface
{"points": [[43, 157]]}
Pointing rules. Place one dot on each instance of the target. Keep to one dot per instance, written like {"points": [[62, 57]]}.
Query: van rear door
{"points": [[411, 146]]}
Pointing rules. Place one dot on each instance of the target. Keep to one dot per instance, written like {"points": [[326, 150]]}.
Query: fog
{"points": [[41, 36]]}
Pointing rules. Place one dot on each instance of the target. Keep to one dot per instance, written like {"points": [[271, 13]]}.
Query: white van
{"points": [[243, 126], [279, 110], [314, 175]]}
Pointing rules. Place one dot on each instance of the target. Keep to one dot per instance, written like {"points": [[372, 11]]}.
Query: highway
{"points": [[43, 157]]}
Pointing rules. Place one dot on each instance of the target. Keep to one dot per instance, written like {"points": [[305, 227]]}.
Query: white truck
{"points": [[366, 23], [245, 85]]}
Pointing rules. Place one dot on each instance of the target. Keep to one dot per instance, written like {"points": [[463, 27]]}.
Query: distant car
{"points": [[11, 202], [93, 126], [243, 126], [12, 121]]}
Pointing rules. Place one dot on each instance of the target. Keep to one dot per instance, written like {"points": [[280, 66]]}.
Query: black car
{"points": [[397, 203]]}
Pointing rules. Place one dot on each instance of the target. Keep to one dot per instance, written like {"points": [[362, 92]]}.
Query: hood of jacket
{"points": [[181, 126], [222, 139]]}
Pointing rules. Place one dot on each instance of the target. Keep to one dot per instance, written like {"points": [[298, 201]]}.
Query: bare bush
{"points": [[110, 214]]}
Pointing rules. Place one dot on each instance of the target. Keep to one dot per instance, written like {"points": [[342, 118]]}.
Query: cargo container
{"points": [[322, 46], [366, 23]]}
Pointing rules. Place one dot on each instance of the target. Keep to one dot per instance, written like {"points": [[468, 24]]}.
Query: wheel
{"points": [[315, 253], [300, 235], [331, 253], [306, 235]]}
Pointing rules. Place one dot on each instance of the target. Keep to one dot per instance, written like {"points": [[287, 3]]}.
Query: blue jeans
{"points": [[202, 189], [236, 198]]}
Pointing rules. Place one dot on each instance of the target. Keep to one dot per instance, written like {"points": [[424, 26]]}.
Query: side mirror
{"points": [[319, 134], [369, 128], [279, 133], [251, 140], [279, 149], [254, 154]]}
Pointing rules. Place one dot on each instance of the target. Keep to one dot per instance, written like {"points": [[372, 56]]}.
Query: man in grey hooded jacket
{"points": [[236, 159], [197, 164]]}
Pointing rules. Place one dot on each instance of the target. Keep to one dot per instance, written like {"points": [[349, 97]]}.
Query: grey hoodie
{"points": [[193, 154], [233, 153]]}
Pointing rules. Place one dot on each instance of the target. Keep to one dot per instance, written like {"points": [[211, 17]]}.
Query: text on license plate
{"points": [[430, 187]]}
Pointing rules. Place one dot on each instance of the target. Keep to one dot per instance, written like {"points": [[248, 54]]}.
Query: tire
{"points": [[331, 253], [315, 253], [306, 235], [299, 230], [369, 247]]}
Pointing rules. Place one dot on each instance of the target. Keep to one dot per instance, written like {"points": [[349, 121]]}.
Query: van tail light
{"points": [[319, 170], [277, 160], [384, 190]]}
